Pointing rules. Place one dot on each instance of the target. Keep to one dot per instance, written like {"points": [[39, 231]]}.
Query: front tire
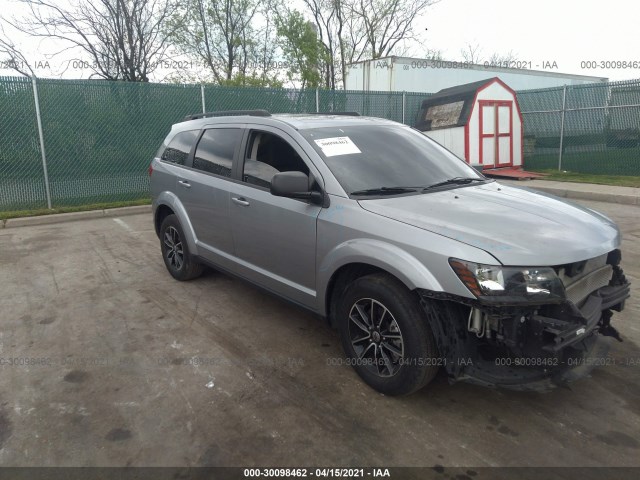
{"points": [[175, 251], [386, 336]]}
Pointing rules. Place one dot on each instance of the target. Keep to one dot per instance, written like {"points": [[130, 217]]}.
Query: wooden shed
{"points": [[480, 122]]}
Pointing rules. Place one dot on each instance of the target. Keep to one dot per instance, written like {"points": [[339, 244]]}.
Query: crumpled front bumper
{"points": [[555, 345], [583, 321]]}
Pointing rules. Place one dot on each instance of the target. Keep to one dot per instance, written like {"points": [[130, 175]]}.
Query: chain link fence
{"points": [[591, 129], [68, 142], [95, 143], [22, 183]]}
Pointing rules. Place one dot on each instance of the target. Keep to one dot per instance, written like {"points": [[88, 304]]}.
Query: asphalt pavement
{"points": [[108, 361]]}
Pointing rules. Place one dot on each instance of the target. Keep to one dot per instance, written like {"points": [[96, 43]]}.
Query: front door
{"points": [[496, 136], [274, 237]]}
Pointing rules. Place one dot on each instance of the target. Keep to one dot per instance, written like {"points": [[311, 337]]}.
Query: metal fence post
{"points": [[404, 102], [41, 135], [204, 109], [317, 100], [564, 109]]}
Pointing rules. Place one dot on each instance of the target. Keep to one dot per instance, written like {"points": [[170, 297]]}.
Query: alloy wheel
{"points": [[376, 337], [174, 250]]}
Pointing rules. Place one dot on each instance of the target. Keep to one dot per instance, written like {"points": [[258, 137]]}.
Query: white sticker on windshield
{"points": [[337, 146]]}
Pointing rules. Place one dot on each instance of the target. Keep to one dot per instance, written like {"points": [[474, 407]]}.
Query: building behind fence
{"points": [[66, 142]]}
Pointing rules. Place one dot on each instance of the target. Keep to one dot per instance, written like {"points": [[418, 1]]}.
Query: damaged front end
{"points": [[528, 328]]}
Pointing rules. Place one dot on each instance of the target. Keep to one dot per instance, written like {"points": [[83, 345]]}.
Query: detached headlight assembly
{"points": [[497, 284]]}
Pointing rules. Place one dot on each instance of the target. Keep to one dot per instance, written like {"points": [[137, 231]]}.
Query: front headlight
{"points": [[512, 284]]}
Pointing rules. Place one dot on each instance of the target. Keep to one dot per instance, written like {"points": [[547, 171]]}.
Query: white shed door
{"points": [[496, 136]]}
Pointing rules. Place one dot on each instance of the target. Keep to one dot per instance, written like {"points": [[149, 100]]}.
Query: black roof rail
{"points": [[227, 113], [346, 114]]}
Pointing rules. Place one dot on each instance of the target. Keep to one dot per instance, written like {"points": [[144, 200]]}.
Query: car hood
{"points": [[516, 225]]}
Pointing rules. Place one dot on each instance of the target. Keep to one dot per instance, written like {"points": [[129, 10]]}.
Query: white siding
{"points": [[454, 138], [474, 136], [495, 91], [399, 74], [450, 138]]}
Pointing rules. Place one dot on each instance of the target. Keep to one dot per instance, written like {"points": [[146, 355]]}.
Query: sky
{"points": [[584, 37], [568, 32]]}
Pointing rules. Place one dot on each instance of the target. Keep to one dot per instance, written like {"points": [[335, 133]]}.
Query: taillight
{"points": [[150, 168]]}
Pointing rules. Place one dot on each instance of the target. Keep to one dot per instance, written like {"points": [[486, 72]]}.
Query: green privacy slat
{"points": [[99, 136], [601, 132], [21, 175]]}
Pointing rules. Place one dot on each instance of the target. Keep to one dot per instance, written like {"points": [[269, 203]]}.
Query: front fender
{"points": [[404, 266], [173, 202]]}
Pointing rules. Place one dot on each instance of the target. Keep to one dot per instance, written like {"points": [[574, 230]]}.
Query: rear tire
{"points": [[175, 251], [385, 335]]}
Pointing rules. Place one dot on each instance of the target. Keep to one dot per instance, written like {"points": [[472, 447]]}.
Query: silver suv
{"points": [[417, 259]]}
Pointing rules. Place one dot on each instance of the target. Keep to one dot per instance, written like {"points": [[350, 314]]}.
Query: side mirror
{"points": [[294, 185]]}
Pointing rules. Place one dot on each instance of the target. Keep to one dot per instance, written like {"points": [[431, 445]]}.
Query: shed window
{"points": [[444, 115]]}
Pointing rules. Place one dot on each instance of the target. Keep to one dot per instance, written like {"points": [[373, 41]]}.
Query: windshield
{"points": [[375, 157]]}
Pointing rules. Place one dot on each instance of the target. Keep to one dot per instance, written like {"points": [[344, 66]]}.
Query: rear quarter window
{"points": [[179, 147]]}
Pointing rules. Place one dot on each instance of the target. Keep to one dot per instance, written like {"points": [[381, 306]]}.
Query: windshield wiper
{"points": [[384, 191], [396, 190], [455, 181]]}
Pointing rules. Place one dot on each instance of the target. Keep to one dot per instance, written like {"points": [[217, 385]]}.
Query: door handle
{"points": [[240, 201], [184, 183]]}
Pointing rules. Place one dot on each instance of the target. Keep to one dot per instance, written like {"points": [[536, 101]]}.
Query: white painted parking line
{"points": [[123, 224]]}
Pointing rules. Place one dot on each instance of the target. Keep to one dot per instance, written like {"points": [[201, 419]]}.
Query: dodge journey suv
{"points": [[418, 260]]}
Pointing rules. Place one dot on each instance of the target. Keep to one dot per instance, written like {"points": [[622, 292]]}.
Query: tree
{"points": [[303, 52], [503, 59], [223, 37], [253, 80], [327, 15], [124, 39], [12, 57], [354, 30], [387, 23], [471, 53]]}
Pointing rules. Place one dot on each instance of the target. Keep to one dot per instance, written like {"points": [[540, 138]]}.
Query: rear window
{"points": [[179, 147], [215, 150]]}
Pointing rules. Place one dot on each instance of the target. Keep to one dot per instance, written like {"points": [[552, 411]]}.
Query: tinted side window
{"points": [[178, 149], [214, 153]]}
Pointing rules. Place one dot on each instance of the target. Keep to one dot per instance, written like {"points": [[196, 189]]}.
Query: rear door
{"points": [[274, 237], [204, 190], [174, 159]]}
